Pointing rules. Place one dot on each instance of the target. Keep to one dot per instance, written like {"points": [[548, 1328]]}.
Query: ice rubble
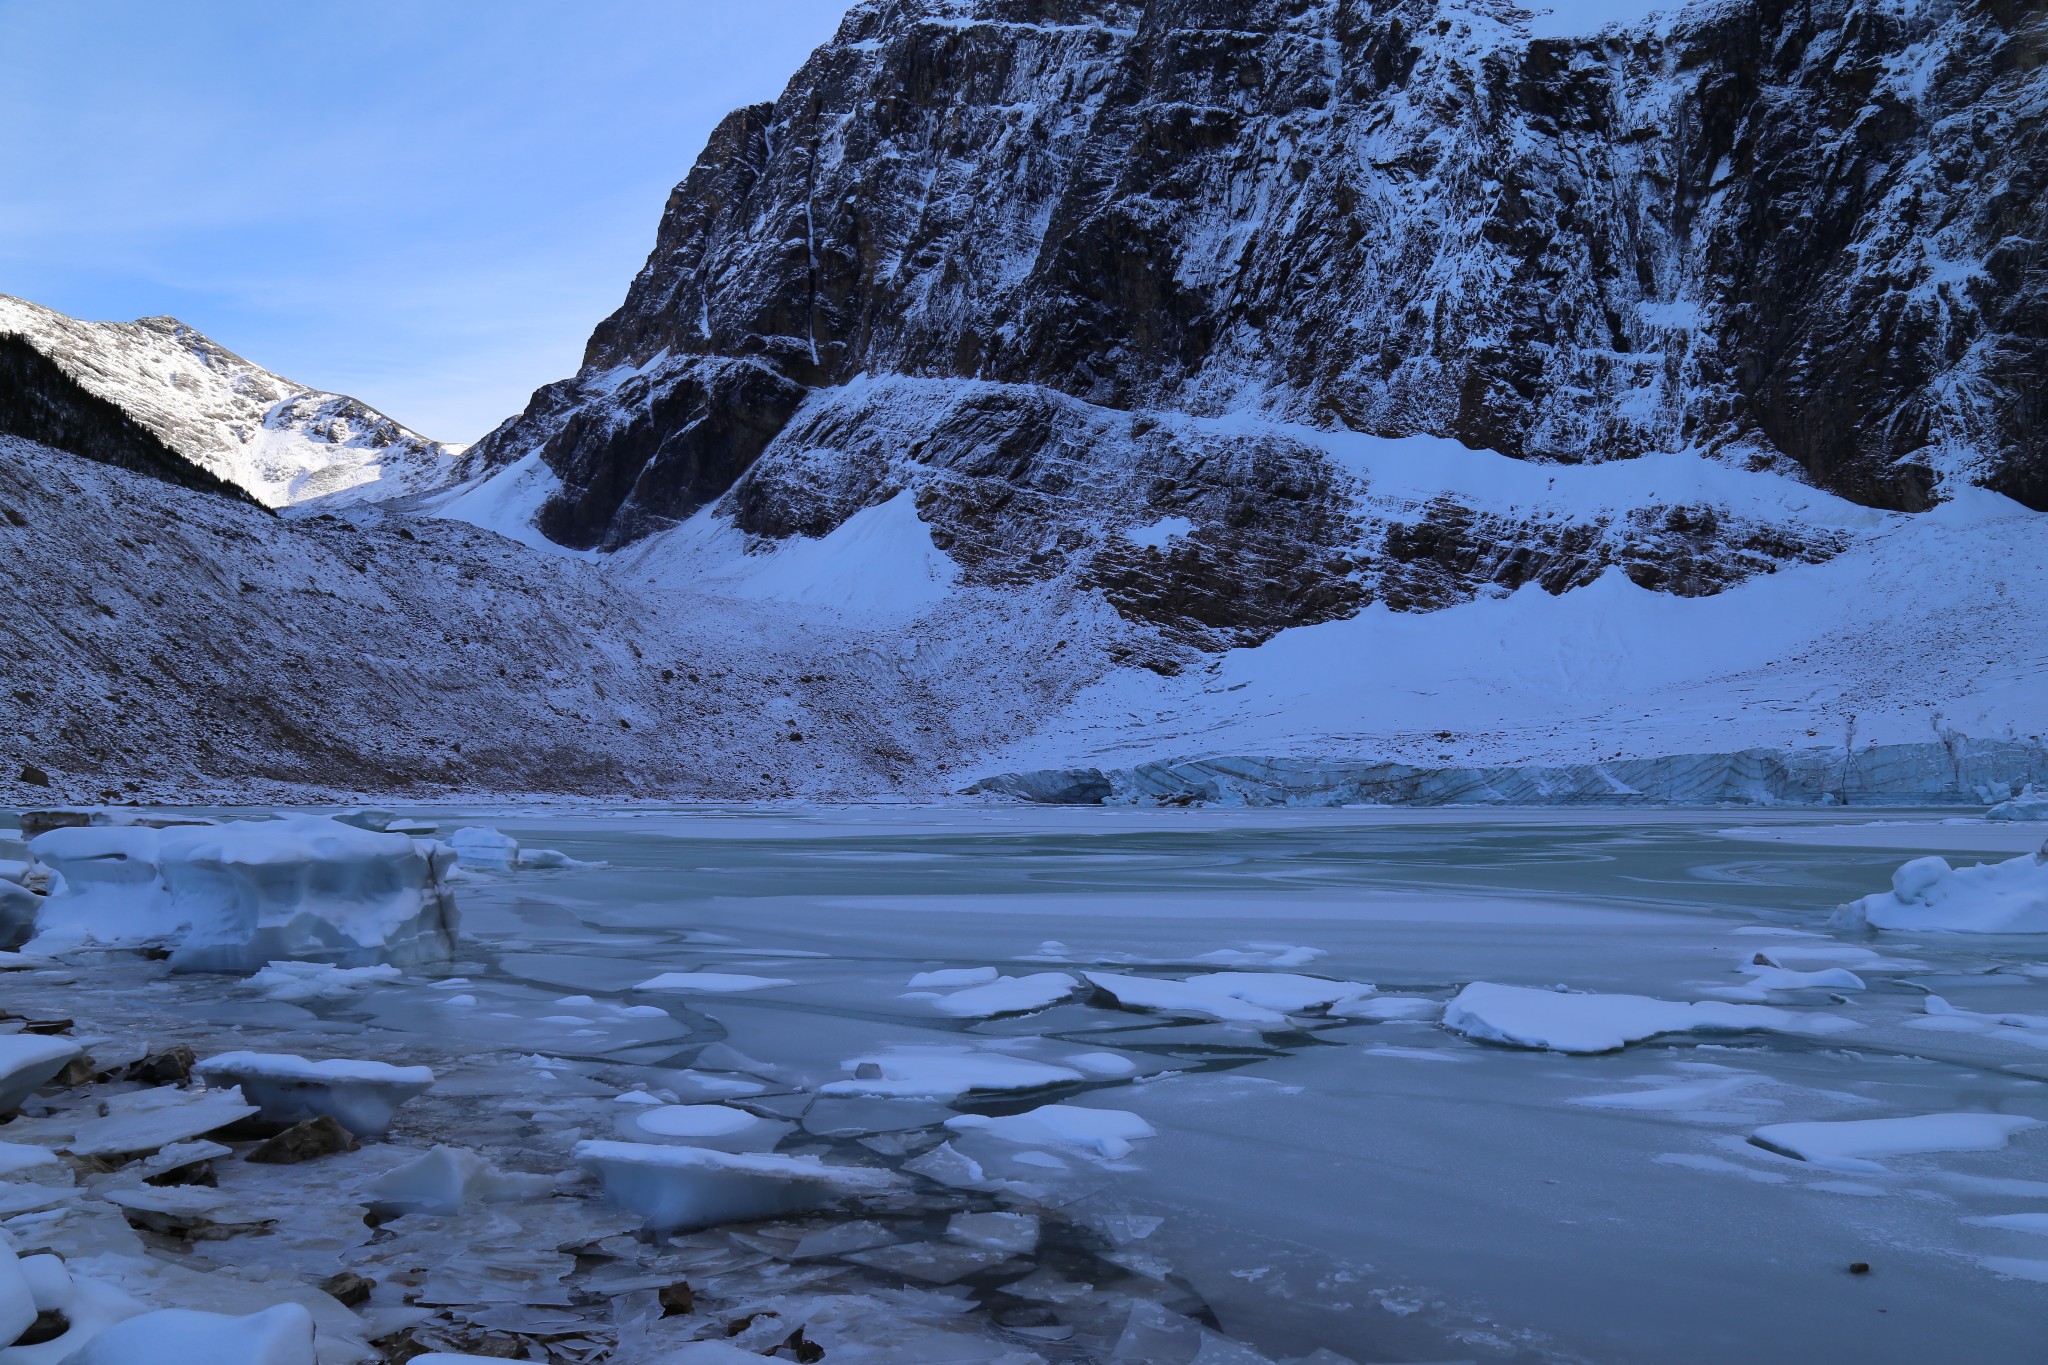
{"points": [[361, 1096], [1928, 895], [239, 896], [686, 1187], [1106, 1132], [2031, 804], [1264, 998], [27, 1062], [1556, 1021], [293, 982], [181, 1336], [1850, 1144]]}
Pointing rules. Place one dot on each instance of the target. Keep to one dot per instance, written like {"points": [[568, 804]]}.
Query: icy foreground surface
{"points": [[240, 896], [1220, 1122]]}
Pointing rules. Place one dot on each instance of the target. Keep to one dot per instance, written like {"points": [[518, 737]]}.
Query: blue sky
{"points": [[424, 203]]}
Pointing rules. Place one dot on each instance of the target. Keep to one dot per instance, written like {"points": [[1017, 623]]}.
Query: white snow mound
{"points": [[239, 896], [1553, 1021], [1849, 1144], [1928, 895], [179, 1336]]}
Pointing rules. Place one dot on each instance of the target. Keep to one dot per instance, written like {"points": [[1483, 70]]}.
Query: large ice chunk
{"points": [[2031, 804], [1263, 998], [179, 1336], [236, 897], [361, 1096], [27, 1062], [1007, 995], [944, 1073], [1554, 1021], [146, 1120], [1927, 894], [448, 1180], [482, 846], [1106, 1132], [1850, 1144], [693, 1187], [19, 907]]}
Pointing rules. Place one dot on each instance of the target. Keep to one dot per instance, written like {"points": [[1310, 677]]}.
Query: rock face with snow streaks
{"points": [[1008, 253]]}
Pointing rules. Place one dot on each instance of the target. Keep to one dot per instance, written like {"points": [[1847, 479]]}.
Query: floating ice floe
{"points": [[713, 983], [141, 1122], [1688, 1095], [1927, 894], [1007, 995], [1851, 1144], [675, 1188], [941, 1073], [1265, 998], [954, 976], [29, 1061], [1940, 1016], [1263, 955], [239, 896], [294, 982], [2031, 804], [179, 1336], [703, 1125], [481, 846], [1386, 1008], [1766, 976], [362, 1097], [1106, 1132], [1555, 1021], [448, 1180]]}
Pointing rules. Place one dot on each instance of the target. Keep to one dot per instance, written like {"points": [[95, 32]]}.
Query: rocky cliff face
{"points": [[1052, 238], [281, 442]]}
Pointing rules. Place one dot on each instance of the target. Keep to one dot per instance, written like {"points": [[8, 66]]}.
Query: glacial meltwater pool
{"points": [[1328, 1169]]}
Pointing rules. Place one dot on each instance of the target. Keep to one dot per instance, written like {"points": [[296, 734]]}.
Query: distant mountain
{"points": [[283, 443]]}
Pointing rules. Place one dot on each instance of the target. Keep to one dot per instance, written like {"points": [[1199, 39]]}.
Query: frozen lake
{"points": [[1378, 1187]]}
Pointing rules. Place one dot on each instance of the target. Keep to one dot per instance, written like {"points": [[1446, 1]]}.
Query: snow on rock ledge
{"points": [[1553, 1021], [1927, 894], [237, 897], [362, 1097]]}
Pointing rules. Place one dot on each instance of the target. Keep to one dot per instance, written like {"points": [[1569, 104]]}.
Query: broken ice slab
{"points": [[712, 983], [28, 1061], [838, 1240], [850, 1116], [177, 1336], [139, 1123], [1015, 1234], [930, 1262], [236, 897], [1262, 998], [1007, 995], [1852, 1144], [361, 1096], [944, 1073], [1106, 1132], [185, 1211], [449, 1179], [1556, 1021], [674, 1188], [703, 1125]]}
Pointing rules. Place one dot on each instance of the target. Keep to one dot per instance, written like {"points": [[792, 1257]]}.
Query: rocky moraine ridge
{"points": [[1018, 256]]}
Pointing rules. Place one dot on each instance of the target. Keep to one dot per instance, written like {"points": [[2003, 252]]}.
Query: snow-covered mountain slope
{"points": [[284, 443], [178, 645]]}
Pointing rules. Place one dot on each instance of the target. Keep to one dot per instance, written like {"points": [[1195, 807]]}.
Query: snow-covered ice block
{"points": [[178, 1336], [1008, 995], [1525, 1016], [703, 1125], [88, 1306], [482, 846], [692, 1187], [27, 1063], [236, 897], [448, 1180], [1264, 998], [549, 859], [19, 907], [715, 983], [944, 1073], [1927, 894], [361, 1096], [1766, 976], [1851, 1144], [1106, 1132], [954, 976], [149, 1119], [25, 1161], [17, 1301], [293, 982], [2031, 804]]}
